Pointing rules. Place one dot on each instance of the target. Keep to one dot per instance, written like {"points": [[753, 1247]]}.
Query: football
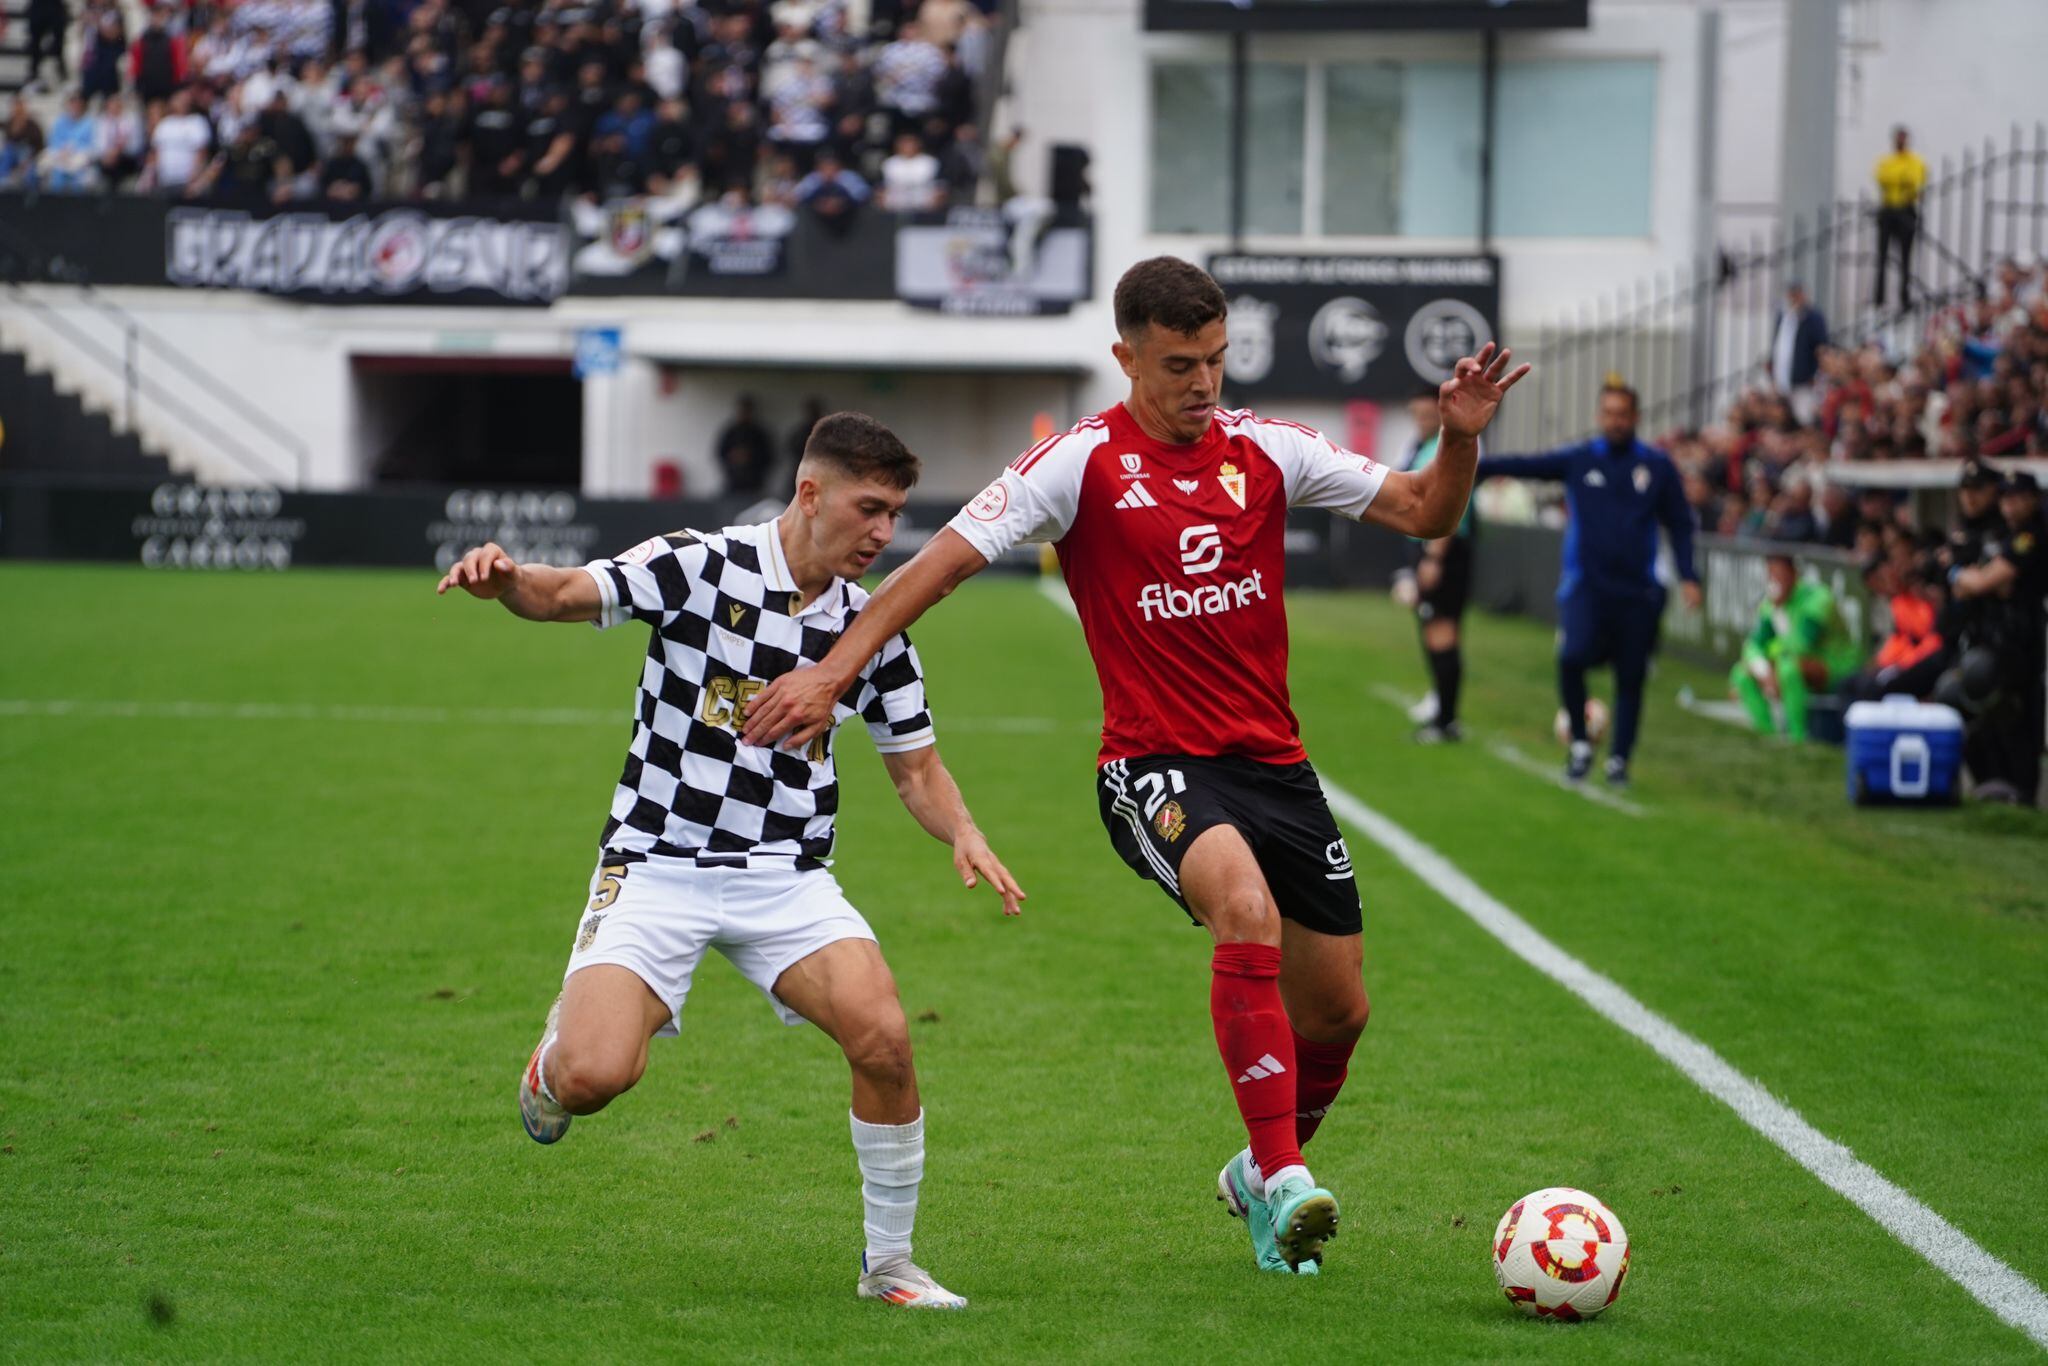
{"points": [[1560, 1254], [1596, 722]]}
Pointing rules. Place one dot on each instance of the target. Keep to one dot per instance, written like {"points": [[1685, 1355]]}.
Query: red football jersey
{"points": [[1176, 559]]}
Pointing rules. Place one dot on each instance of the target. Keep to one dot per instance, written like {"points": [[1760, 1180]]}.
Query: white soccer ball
{"points": [[1596, 722], [1560, 1254]]}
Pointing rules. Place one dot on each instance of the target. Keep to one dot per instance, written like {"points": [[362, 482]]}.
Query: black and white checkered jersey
{"points": [[723, 609]]}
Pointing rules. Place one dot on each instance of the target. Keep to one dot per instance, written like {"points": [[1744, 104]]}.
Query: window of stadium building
{"points": [[1392, 149]]}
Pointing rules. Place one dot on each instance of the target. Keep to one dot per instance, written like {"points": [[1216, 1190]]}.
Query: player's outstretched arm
{"points": [[930, 794], [1427, 503], [537, 592], [796, 708]]}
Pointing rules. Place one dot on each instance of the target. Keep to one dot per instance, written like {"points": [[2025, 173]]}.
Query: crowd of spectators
{"points": [[1975, 386], [828, 104]]}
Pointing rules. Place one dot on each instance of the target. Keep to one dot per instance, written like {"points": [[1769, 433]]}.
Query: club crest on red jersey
{"points": [[1232, 479]]}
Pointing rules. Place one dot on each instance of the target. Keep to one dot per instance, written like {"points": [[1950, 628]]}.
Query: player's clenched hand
{"points": [[977, 863], [486, 572], [796, 707], [1467, 399]]}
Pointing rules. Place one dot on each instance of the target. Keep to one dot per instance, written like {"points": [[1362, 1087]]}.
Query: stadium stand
{"points": [[269, 101], [1975, 385]]}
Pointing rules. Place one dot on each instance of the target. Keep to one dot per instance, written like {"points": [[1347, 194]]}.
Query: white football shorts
{"points": [[657, 917]]}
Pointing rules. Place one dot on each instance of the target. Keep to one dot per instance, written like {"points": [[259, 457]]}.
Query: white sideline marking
{"points": [[1989, 1281], [1993, 1284], [1552, 774], [1513, 757], [1723, 710], [1055, 591], [427, 716]]}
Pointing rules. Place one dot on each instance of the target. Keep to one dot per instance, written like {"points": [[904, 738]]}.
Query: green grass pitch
{"points": [[268, 976]]}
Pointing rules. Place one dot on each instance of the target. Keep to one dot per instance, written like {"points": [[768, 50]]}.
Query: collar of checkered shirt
{"points": [[767, 538]]}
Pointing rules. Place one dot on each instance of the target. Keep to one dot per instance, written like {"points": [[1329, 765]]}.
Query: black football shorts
{"points": [[1156, 806]]}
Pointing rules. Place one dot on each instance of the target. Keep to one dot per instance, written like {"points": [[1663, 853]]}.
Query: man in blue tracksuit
{"points": [[1617, 490]]}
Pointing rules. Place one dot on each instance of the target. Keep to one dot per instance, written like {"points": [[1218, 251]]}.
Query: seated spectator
{"points": [[123, 142], [910, 178], [778, 185], [631, 121], [833, 192], [1800, 646], [251, 171], [179, 147], [1912, 657], [21, 147], [345, 176], [71, 161]]}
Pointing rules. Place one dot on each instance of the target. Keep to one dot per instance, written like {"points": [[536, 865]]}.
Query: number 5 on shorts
{"points": [[607, 886]]}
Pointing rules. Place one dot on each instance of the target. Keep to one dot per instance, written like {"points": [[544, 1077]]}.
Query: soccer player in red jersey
{"points": [[1169, 514]]}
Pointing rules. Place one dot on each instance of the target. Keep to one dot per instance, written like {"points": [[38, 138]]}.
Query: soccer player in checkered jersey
{"points": [[713, 843], [1168, 514]]}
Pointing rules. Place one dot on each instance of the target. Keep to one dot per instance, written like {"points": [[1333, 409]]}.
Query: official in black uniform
{"points": [[2004, 646]]}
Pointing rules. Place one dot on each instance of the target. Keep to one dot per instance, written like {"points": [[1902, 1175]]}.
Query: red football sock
{"points": [[1257, 1045], [1321, 1076]]}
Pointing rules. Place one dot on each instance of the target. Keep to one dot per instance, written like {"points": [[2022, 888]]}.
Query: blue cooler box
{"points": [[1904, 751]]}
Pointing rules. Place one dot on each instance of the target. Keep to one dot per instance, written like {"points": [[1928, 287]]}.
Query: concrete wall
{"points": [[1954, 71]]}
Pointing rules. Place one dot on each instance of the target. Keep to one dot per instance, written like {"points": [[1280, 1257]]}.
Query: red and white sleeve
{"points": [[1318, 472], [1033, 500]]}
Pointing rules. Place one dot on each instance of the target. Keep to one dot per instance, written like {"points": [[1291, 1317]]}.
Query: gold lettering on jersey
{"points": [[1232, 479], [725, 706]]}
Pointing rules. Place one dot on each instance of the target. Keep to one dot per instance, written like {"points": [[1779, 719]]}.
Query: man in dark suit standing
{"points": [[1797, 336]]}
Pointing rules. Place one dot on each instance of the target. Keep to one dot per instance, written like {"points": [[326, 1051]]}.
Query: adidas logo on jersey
{"points": [[1136, 497], [1266, 1066]]}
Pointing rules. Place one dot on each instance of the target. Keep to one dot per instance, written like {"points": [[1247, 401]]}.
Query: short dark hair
{"points": [[1616, 387], [1175, 294], [857, 445]]}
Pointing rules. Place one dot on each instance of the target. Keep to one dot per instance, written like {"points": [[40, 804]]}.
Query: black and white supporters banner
{"points": [[1341, 327], [375, 256]]}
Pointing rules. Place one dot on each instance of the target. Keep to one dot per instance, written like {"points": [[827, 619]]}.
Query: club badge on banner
{"points": [[1353, 327]]}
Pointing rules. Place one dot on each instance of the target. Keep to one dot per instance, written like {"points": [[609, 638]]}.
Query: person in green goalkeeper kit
{"points": [[1800, 646]]}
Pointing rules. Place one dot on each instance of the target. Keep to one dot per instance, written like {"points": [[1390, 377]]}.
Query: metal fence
{"points": [[1690, 340]]}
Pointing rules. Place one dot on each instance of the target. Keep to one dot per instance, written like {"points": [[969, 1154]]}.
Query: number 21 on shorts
{"points": [[1154, 786]]}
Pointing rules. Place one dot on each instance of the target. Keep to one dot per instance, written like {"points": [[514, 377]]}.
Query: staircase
{"points": [[43, 431], [13, 45]]}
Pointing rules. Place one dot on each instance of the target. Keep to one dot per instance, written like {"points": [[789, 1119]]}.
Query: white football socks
{"points": [[1286, 1174], [891, 1166], [1260, 1183]]}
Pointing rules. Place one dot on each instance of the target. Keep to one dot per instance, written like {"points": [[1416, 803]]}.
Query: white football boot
{"points": [[900, 1281], [545, 1121]]}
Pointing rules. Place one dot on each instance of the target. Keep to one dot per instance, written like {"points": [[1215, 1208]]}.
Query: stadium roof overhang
{"points": [[883, 337]]}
